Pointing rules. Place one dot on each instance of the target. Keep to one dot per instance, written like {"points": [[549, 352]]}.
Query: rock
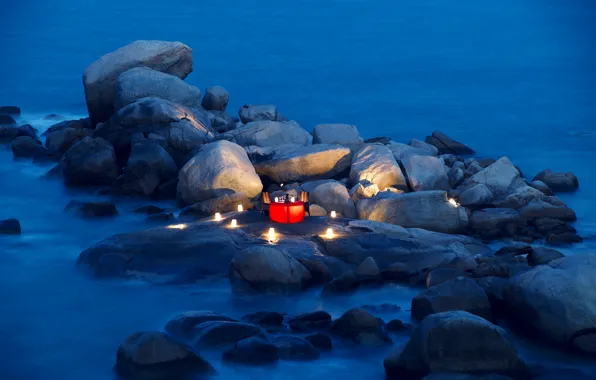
{"points": [[540, 256], [219, 168], [7, 120], [461, 293], [182, 129], [26, 147], [430, 210], [267, 133], [495, 222], [218, 334], [395, 325], [320, 341], [181, 326], [333, 196], [319, 161], [360, 191], [100, 78], [539, 185], [319, 271], [346, 283], [152, 355], [91, 161], [221, 121], [476, 196], [520, 197], [425, 173], [10, 110], [143, 82], [216, 98], [514, 249], [167, 190], [563, 238], [295, 348], [149, 210], [223, 204], [148, 166], [368, 271], [92, 209], [449, 159], [249, 113], [360, 327], [316, 210], [8, 133], [252, 351], [375, 164], [474, 168], [455, 341], [60, 139], [340, 134], [538, 209], [267, 270], [558, 181], [501, 178], [267, 319], [446, 144], [426, 146], [386, 229], [546, 225], [28, 131], [10, 227], [440, 275], [401, 151], [313, 321], [567, 283], [455, 176]]}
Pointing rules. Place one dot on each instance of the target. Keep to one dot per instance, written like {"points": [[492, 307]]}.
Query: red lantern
{"points": [[287, 213]]}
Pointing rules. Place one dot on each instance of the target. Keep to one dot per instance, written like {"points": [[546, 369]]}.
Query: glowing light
{"points": [[240, 208], [329, 234], [234, 223], [177, 226], [333, 214], [282, 185], [217, 216], [292, 199], [271, 233], [453, 202], [276, 199]]}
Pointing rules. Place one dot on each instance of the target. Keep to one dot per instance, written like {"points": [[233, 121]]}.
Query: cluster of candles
{"points": [[283, 199]]}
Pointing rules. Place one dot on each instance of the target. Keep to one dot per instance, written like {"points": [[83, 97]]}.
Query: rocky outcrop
{"points": [[558, 181], [425, 173], [501, 178], [360, 327], [333, 196], [143, 82], [100, 78], [218, 169], [446, 144], [268, 133], [340, 134], [91, 161], [60, 137], [320, 161], [249, 113], [375, 164], [216, 98]]}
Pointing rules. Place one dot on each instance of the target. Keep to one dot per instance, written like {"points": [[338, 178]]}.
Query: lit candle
{"points": [[234, 223], [453, 202], [282, 185], [333, 214], [240, 208], [217, 216], [292, 199], [177, 226], [276, 199], [271, 233], [329, 233]]}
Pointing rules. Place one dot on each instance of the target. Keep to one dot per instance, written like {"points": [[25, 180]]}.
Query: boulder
{"points": [[541, 255], [539, 209], [501, 178], [10, 110], [223, 334], [267, 270], [368, 271], [221, 121], [316, 210], [151, 355], [333, 196], [520, 197], [495, 222], [360, 191], [375, 164], [319, 271], [143, 82], [440, 275], [28, 131], [182, 129], [340, 134], [320, 161], [386, 229], [218, 169], [426, 146], [461, 293], [476, 196], [268, 133], [271, 320], [181, 326], [360, 327], [563, 238], [446, 144], [539, 185], [395, 325], [92, 209], [7, 120], [401, 151], [312, 321], [556, 301], [456, 177], [8, 133], [295, 348], [252, 351], [249, 113], [91, 161], [425, 173], [223, 204], [215, 99], [26, 147], [100, 78], [320, 341], [558, 181], [346, 283], [378, 140], [61, 139], [430, 210], [10, 227], [455, 341]]}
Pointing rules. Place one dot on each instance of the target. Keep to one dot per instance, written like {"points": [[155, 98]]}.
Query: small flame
{"points": [[333, 214], [240, 208], [453, 202], [177, 226], [329, 234], [217, 216], [271, 233], [234, 223]]}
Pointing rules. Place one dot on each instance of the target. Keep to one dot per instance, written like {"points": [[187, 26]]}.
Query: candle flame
{"points": [[453, 202], [333, 214], [329, 234], [217, 216], [240, 208], [234, 223], [176, 226]]}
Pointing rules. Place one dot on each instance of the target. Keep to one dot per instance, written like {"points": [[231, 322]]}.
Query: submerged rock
{"points": [[312, 321], [360, 327], [26, 147], [340, 134], [446, 144], [10, 227], [541, 255], [221, 334], [182, 325], [558, 181], [375, 164], [252, 351], [10, 110], [320, 341], [92, 209], [295, 348]]}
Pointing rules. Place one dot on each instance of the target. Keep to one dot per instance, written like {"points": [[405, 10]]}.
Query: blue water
{"points": [[510, 77]]}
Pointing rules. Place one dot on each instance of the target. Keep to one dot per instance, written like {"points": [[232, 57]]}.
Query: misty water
{"points": [[514, 78]]}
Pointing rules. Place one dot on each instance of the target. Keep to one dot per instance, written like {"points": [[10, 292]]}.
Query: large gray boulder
{"points": [[363, 191], [430, 210], [461, 293], [426, 173], [90, 162], [267, 270], [520, 197], [433, 150], [143, 82], [401, 151], [320, 161], [250, 112], [340, 134], [100, 78], [183, 129], [268, 133], [557, 301], [455, 341], [333, 196], [558, 181], [374, 163], [218, 169], [221, 121], [476, 196], [215, 99], [539, 209], [501, 178]]}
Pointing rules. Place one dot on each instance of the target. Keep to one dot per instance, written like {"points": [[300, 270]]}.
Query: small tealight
{"points": [[292, 199], [217, 216], [333, 214], [240, 208], [276, 199], [453, 202], [329, 233], [234, 223], [271, 233]]}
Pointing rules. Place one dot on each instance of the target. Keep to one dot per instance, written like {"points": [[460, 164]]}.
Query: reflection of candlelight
{"points": [[177, 226], [217, 216], [293, 199], [329, 233], [453, 202], [333, 214], [234, 224], [240, 208]]}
